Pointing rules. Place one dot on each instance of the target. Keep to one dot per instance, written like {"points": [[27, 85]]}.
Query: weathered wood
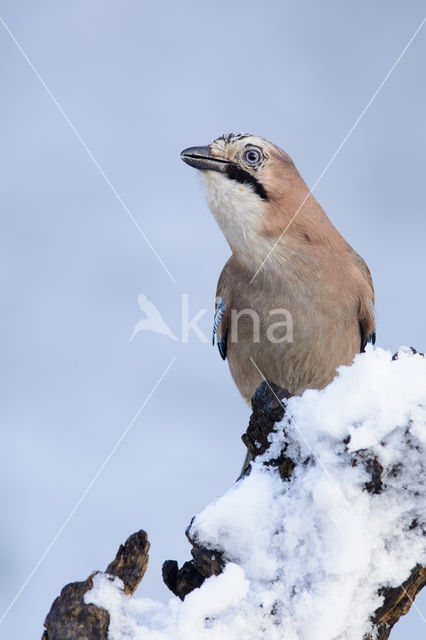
{"points": [[268, 405], [70, 618], [191, 575], [397, 602], [181, 581], [131, 561]]}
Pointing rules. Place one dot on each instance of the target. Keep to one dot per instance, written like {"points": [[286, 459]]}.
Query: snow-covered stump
{"points": [[379, 472], [324, 537]]}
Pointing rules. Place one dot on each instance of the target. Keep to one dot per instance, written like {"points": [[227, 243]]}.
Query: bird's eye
{"points": [[252, 156]]}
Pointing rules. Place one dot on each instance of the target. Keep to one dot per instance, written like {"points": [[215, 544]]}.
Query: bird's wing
{"points": [[221, 316], [218, 315], [367, 325], [217, 329]]}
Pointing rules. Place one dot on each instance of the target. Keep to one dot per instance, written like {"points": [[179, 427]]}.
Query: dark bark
{"points": [[268, 405], [397, 602], [181, 581], [70, 618], [131, 561]]}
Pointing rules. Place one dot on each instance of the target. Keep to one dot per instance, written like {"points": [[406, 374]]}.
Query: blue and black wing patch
{"points": [[222, 339]]}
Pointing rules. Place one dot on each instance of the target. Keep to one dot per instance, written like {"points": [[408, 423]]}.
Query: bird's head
{"points": [[250, 184]]}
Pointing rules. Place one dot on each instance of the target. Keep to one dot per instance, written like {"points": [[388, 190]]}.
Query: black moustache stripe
{"points": [[244, 177]]}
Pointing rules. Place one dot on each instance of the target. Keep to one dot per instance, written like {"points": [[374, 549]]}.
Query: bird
{"points": [[294, 301]]}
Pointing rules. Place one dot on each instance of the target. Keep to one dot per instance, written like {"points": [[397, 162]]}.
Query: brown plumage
{"points": [[295, 301]]}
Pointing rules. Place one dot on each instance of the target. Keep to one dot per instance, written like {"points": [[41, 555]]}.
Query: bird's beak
{"points": [[202, 158]]}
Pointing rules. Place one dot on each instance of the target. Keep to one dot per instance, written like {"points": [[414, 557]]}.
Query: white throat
{"points": [[238, 212]]}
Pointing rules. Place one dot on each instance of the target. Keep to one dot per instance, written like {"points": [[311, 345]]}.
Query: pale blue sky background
{"points": [[141, 81]]}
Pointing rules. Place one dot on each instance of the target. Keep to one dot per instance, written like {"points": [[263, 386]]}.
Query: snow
{"points": [[313, 550]]}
